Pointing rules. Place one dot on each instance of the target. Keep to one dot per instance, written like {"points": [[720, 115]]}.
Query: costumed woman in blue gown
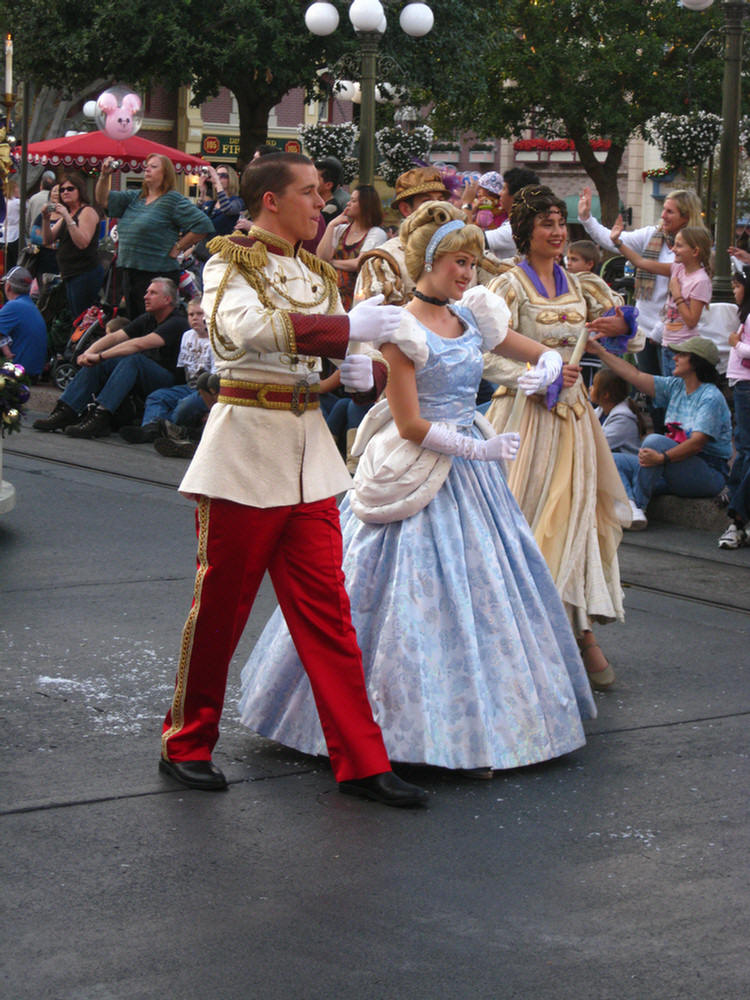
{"points": [[469, 658]]}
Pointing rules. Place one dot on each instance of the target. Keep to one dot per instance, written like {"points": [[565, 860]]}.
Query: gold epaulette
{"points": [[245, 254]]}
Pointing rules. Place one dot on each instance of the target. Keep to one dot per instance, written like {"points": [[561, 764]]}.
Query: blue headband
{"points": [[437, 237]]}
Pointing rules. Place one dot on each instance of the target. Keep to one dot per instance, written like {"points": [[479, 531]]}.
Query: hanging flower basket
{"points": [[401, 150], [332, 140], [685, 140]]}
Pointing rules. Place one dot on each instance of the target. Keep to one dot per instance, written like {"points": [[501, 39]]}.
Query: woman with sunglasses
{"points": [[76, 231], [225, 206]]}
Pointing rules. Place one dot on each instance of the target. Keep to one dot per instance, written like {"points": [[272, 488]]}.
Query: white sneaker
{"points": [[733, 538], [639, 520]]}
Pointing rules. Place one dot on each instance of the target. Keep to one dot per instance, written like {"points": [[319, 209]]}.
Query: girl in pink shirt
{"points": [[689, 284]]}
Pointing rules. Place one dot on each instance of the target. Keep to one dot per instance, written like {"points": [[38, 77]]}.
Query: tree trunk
{"points": [[253, 110], [604, 175]]}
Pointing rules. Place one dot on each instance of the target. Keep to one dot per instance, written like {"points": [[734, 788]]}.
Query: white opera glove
{"points": [[544, 373], [356, 373], [447, 441], [371, 322]]}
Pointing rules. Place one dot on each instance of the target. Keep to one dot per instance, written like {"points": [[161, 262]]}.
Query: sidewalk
{"points": [[617, 872]]}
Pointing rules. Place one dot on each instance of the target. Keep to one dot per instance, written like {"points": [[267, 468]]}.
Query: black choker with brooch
{"points": [[430, 298]]}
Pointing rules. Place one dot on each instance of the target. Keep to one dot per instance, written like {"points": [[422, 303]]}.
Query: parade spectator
{"points": [[156, 226], [37, 201], [689, 290], [738, 376], [485, 210], [12, 220], [691, 459], [142, 357], [583, 257], [681, 208], [621, 420], [349, 235], [500, 241], [76, 233], [180, 404], [223, 209], [23, 332], [330, 178], [176, 440], [45, 259]]}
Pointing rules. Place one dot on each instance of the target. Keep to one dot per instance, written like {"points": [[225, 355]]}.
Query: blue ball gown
{"points": [[468, 655]]}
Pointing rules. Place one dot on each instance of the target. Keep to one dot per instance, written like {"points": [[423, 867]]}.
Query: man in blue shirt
{"points": [[23, 331]]}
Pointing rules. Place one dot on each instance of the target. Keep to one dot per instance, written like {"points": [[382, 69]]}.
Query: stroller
{"points": [[87, 328]]}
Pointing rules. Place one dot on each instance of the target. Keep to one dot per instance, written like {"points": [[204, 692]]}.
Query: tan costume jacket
{"points": [[266, 301]]}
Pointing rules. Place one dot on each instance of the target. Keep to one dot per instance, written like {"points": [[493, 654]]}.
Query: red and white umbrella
{"points": [[90, 149]]}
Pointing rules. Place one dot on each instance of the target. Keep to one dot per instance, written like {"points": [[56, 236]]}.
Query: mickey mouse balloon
{"points": [[119, 112]]}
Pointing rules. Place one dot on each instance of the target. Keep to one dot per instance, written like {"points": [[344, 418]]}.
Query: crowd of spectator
{"points": [[674, 389]]}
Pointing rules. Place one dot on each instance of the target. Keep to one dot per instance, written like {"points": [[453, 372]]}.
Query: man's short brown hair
{"points": [[272, 172]]}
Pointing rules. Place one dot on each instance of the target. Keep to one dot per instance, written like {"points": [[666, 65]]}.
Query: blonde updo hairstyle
{"points": [[418, 228]]}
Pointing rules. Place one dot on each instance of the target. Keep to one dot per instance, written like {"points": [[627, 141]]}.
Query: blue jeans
{"points": [[344, 415], [693, 477], [667, 361], [83, 290], [179, 403], [741, 464], [110, 382]]}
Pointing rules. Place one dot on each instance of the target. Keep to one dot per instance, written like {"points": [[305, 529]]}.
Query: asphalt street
{"points": [[617, 872]]}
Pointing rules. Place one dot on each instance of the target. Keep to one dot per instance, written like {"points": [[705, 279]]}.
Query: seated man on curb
{"points": [[180, 404], [143, 356], [178, 441], [23, 332]]}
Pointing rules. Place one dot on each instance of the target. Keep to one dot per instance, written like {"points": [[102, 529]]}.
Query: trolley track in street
{"points": [[633, 585]]}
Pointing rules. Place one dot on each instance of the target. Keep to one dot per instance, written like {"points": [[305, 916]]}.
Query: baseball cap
{"points": [[18, 278], [700, 346]]}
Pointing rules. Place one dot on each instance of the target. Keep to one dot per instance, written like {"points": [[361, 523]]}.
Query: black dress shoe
{"points": [[387, 788], [201, 774]]}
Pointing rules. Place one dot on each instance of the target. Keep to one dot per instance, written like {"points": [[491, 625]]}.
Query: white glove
{"points": [[356, 373], [544, 373], [447, 441], [370, 321]]}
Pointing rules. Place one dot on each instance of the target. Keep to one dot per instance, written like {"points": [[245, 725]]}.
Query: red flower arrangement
{"points": [[558, 145]]}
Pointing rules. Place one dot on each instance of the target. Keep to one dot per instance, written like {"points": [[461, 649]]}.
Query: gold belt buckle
{"points": [[300, 400]]}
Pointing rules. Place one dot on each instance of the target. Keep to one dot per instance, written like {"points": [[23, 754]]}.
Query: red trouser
{"points": [[300, 546]]}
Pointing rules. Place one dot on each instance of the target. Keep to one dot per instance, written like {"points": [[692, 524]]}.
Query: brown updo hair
{"points": [[528, 203], [418, 228]]}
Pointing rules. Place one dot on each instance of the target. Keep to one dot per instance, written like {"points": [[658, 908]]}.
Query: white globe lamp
{"points": [[416, 19], [366, 15], [697, 4], [344, 90], [89, 109], [321, 18]]}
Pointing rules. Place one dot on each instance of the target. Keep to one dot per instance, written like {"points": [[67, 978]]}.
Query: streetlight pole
{"points": [[369, 22], [369, 42], [734, 13]]}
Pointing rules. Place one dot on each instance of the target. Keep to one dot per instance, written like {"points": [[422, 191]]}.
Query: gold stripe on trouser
{"points": [[188, 632]]}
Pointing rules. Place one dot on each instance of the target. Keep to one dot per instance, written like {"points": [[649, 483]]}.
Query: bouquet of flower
{"points": [[14, 392], [685, 139], [332, 140], [401, 150]]}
